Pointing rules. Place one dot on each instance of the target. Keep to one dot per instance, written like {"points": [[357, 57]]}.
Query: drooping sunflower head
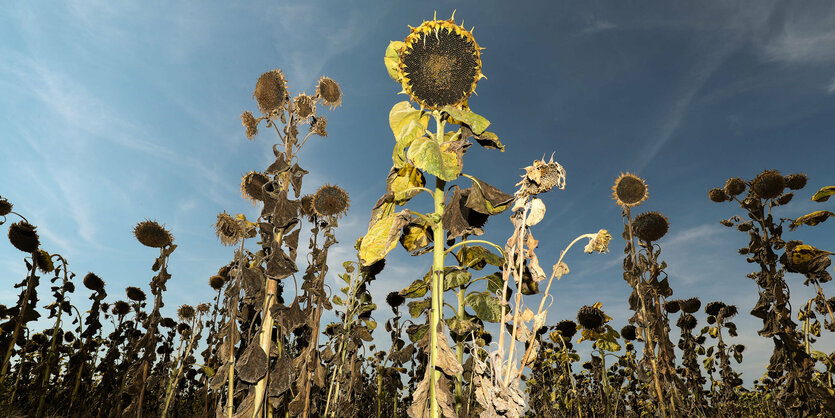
{"points": [[135, 294], [629, 332], [304, 106], [629, 190], [24, 236], [45, 263], [250, 124], [251, 186], [768, 184], [228, 229], [271, 92], [440, 64], [650, 226], [121, 308], [185, 312], [691, 305], [591, 317], [329, 92], [5, 206], [217, 282], [330, 200], [93, 282], [152, 234]]}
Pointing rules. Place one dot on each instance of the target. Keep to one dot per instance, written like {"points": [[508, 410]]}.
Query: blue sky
{"points": [[111, 113]]}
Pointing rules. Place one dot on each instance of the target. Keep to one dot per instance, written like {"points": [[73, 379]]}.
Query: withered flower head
{"points": [[168, 322], [739, 348], [541, 177], [440, 64], [796, 181], [38, 338], [734, 186], [629, 190], [228, 229], [250, 123], [185, 312], [567, 328], [768, 184], [69, 336], [328, 92], [121, 308], [5, 206], [672, 306], [599, 243], [224, 272], [686, 321], [44, 261], [307, 205], [304, 107], [590, 317], [135, 293], [319, 126], [183, 328], [784, 199], [713, 308], [717, 195], [203, 308], [24, 237], [217, 282], [330, 201], [152, 234], [650, 226], [628, 333], [271, 92], [93, 282], [691, 305], [251, 186], [394, 299], [729, 311]]}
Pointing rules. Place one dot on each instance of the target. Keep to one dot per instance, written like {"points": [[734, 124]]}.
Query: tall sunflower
{"points": [[440, 64]]}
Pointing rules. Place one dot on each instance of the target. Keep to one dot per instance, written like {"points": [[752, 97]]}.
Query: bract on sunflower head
{"points": [[440, 64], [629, 190]]}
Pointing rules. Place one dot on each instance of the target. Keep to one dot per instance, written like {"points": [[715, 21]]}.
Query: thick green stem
{"points": [[439, 239], [459, 352]]}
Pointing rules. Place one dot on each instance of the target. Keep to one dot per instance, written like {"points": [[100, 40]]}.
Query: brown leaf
{"points": [[296, 174], [252, 365], [487, 199], [282, 375], [278, 166], [280, 264]]}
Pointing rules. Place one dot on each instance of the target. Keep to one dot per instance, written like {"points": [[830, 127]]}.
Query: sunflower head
{"points": [[319, 126], [567, 328], [251, 186], [717, 195], [304, 106], [135, 294], [672, 306], [121, 308], [768, 184], [686, 322], [93, 282], [796, 181], [217, 282], [228, 229], [185, 312], [650, 226], [628, 332], [394, 299], [330, 201], [250, 123], [24, 237], [591, 317], [45, 264], [734, 186], [713, 308], [691, 305], [629, 190], [271, 92], [5, 206], [168, 322], [440, 64], [329, 92], [152, 234]]}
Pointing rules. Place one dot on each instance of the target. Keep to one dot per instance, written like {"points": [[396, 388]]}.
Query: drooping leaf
{"points": [[461, 326], [401, 117], [486, 139], [392, 59], [402, 179], [418, 307], [458, 219], [417, 235], [823, 194], [487, 199], [252, 365], [485, 305], [477, 123], [417, 289], [811, 219], [417, 332], [455, 278], [477, 257], [382, 237], [495, 284]]}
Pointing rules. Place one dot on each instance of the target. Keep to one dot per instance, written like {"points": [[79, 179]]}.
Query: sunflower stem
{"points": [[437, 279]]}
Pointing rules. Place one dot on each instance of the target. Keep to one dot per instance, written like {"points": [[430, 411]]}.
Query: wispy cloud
{"points": [[598, 26], [831, 87]]}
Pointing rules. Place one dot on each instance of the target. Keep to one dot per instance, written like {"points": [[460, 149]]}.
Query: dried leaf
{"points": [[536, 213], [252, 364], [382, 237]]}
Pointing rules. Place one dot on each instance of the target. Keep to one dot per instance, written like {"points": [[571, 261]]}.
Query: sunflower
{"points": [[304, 106], [251, 185], [271, 92], [93, 282], [591, 317], [329, 92], [152, 234], [440, 64], [5, 206], [768, 184], [217, 282], [135, 294], [45, 263], [250, 123], [330, 200], [186, 312], [24, 236], [650, 226], [228, 229], [629, 190]]}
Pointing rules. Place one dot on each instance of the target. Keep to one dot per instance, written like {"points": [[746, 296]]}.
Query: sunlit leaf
{"points": [[476, 122], [486, 306], [392, 59], [382, 237], [823, 194]]}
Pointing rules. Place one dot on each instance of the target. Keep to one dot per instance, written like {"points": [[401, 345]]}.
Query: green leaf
{"points": [[495, 284], [416, 332], [337, 300], [456, 278], [392, 59], [478, 257], [823, 194], [609, 345], [416, 235], [382, 237], [207, 370], [417, 289], [485, 305], [418, 307], [401, 117], [440, 161], [461, 326], [476, 122]]}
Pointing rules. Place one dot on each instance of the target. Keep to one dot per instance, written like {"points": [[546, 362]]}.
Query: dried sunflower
{"points": [[319, 126], [718, 195], [686, 321], [228, 229], [796, 181], [24, 237], [629, 190], [168, 322], [271, 92], [152, 234], [304, 106], [185, 312], [691, 305], [590, 317], [121, 308], [250, 123], [217, 282], [734, 186], [5, 206], [628, 332], [394, 299], [328, 92], [650, 226], [44, 261], [251, 186], [768, 184], [713, 308], [330, 201], [672, 306], [93, 282], [566, 328], [440, 64], [135, 293], [541, 177]]}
